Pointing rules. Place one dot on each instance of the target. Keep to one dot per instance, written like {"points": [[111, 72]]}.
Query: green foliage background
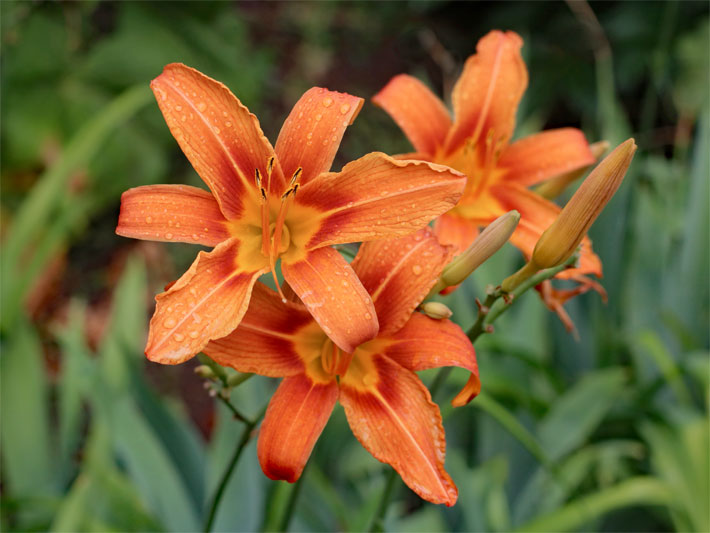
{"points": [[607, 433]]}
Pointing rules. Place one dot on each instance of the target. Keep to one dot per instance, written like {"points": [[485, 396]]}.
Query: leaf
{"points": [[679, 455], [77, 374], [36, 211], [584, 510], [101, 497], [544, 491], [28, 465], [574, 416], [149, 466], [511, 423]]}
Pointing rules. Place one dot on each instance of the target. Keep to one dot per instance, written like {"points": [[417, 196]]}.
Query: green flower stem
{"points": [[378, 520], [291, 505], [235, 412], [243, 441], [498, 302]]}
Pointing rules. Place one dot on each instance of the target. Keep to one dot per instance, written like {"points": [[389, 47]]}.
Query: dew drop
{"points": [[344, 108], [201, 106], [169, 323], [194, 334], [195, 237], [318, 117], [168, 236], [149, 219], [216, 130], [327, 102], [416, 270], [345, 283], [368, 316], [309, 135], [178, 108], [179, 337]]}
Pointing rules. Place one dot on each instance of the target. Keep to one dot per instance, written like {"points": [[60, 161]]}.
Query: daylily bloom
{"points": [[388, 408], [269, 204], [478, 143]]}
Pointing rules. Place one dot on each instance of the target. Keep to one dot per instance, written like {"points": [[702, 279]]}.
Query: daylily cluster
{"points": [[478, 143], [352, 332]]}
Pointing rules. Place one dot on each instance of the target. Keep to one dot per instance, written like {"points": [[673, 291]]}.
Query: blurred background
{"points": [[607, 433]]}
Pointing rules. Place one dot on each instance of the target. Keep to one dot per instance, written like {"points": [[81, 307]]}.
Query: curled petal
{"points": [[266, 342], [218, 134], [425, 343], [486, 96], [311, 135], [545, 155], [391, 413], [177, 213], [536, 215], [294, 420], [456, 231], [418, 111], [333, 294], [398, 274], [206, 303], [377, 196]]}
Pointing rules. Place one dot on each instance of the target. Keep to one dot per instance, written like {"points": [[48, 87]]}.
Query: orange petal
{"points": [[219, 136], [487, 94], [172, 213], [206, 303], [311, 135], [545, 155], [417, 111], [391, 413], [455, 231], [333, 294], [264, 342], [425, 343], [536, 215], [294, 420], [377, 196], [398, 274]]}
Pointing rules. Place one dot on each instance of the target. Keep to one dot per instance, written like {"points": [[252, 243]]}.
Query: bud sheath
{"points": [[561, 239]]}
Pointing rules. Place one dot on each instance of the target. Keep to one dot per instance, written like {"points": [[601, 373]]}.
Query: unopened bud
{"points": [[436, 310], [205, 372], [554, 187], [486, 244], [561, 239]]}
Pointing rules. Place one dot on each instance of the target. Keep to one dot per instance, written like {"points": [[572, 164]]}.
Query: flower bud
{"points": [[205, 372], [561, 239], [436, 310], [486, 244], [552, 188]]}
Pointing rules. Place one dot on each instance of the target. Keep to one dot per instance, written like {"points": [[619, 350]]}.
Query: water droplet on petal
{"points": [[169, 323], [194, 334], [201, 106], [368, 316], [416, 270], [168, 236], [327, 102], [149, 219], [179, 337], [344, 108]]}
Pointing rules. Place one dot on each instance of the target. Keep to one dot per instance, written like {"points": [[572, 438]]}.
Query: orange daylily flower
{"points": [[388, 408], [478, 143], [269, 204]]}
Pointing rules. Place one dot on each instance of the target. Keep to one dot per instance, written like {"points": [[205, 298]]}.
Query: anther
{"points": [[257, 177], [295, 176], [270, 165], [263, 193]]}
